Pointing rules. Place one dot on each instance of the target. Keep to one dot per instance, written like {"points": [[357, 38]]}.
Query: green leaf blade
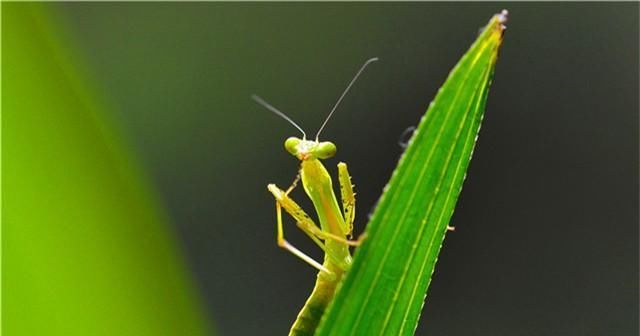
{"points": [[87, 246], [384, 291]]}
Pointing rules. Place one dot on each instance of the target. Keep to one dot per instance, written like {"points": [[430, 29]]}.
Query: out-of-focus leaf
{"points": [[85, 248]]}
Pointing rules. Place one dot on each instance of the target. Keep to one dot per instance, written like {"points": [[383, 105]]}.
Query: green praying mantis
{"points": [[334, 234]]}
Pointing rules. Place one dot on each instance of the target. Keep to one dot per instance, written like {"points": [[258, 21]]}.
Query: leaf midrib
{"points": [[429, 249], [410, 203], [434, 199]]}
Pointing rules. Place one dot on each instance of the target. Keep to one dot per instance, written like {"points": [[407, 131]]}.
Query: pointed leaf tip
{"points": [[384, 291]]}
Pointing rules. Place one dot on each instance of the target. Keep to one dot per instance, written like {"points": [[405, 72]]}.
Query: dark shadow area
{"points": [[546, 239]]}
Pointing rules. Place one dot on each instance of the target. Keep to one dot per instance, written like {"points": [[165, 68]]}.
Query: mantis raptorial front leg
{"points": [[282, 242], [303, 221], [348, 197], [306, 224], [294, 184]]}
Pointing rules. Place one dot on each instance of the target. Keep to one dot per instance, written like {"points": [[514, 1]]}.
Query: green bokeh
{"points": [[86, 250]]}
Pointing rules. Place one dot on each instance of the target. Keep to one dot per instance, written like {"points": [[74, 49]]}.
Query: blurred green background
{"points": [[135, 165]]}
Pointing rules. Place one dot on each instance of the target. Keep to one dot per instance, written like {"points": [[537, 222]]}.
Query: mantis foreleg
{"points": [[282, 242], [304, 222], [348, 197]]}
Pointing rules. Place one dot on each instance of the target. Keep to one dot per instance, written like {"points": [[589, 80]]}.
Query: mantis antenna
{"points": [[371, 60], [277, 112]]}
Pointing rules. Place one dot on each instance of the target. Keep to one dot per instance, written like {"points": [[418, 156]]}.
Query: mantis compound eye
{"points": [[291, 145], [326, 150]]}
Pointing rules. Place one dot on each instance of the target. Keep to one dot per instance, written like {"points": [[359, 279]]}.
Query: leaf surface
{"points": [[384, 291]]}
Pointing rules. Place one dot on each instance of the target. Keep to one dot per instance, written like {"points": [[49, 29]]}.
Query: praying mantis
{"points": [[336, 225]]}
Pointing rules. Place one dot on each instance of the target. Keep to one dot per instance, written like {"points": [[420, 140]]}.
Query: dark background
{"points": [[546, 239]]}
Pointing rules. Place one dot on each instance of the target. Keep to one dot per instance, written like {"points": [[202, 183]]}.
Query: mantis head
{"points": [[304, 149], [309, 150]]}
